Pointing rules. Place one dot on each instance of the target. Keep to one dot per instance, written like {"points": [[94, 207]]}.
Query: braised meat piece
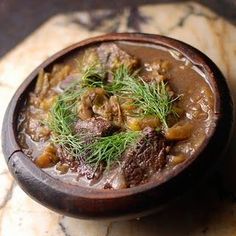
{"points": [[145, 159], [91, 173], [95, 126], [112, 56], [91, 128], [78, 165]]}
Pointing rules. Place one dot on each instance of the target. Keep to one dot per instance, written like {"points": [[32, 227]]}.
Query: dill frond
{"points": [[152, 98], [93, 76], [119, 76], [108, 149], [64, 114], [72, 143], [61, 119]]}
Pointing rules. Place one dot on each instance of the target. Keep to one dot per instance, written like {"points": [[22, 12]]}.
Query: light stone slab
{"points": [[213, 211]]}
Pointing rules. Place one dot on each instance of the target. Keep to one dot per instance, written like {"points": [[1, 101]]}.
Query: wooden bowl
{"points": [[132, 202]]}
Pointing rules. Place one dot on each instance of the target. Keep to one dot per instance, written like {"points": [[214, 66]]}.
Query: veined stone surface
{"points": [[213, 210]]}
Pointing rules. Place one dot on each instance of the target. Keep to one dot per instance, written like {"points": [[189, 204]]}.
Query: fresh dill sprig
{"points": [[61, 119], [152, 98], [64, 111], [72, 143], [93, 76], [119, 76], [102, 149], [108, 149]]}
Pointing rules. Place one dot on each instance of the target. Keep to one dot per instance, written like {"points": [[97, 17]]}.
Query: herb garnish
{"points": [[151, 98], [61, 119], [64, 112], [63, 116], [93, 76], [108, 149], [118, 83]]}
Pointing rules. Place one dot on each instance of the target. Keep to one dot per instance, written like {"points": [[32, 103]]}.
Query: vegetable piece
{"points": [[48, 158], [117, 116], [41, 80], [133, 123], [58, 74], [94, 101], [137, 123], [101, 105], [42, 84], [175, 160], [47, 103], [85, 107], [62, 167], [179, 132]]}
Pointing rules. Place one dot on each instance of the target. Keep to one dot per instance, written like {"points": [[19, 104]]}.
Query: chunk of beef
{"points": [[145, 159], [95, 126], [91, 173], [66, 158], [68, 81], [112, 56], [34, 126], [80, 166]]}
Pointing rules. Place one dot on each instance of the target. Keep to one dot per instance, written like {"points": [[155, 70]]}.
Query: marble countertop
{"points": [[212, 211]]}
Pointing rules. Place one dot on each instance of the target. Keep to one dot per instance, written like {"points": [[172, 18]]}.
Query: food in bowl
{"points": [[161, 159], [116, 115]]}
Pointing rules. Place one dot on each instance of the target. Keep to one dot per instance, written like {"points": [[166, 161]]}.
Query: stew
{"points": [[116, 115]]}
